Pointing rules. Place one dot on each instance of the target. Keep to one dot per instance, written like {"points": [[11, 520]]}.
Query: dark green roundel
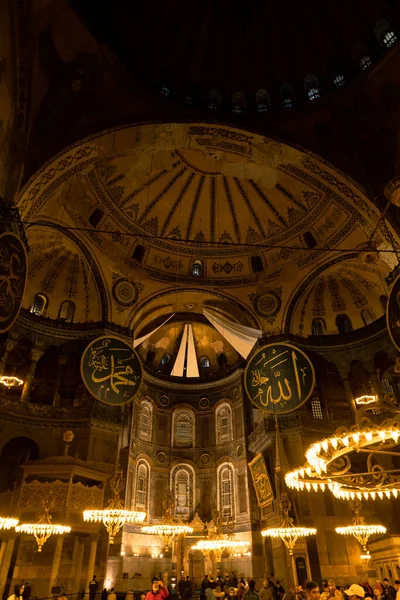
{"points": [[111, 370], [13, 274], [279, 378]]}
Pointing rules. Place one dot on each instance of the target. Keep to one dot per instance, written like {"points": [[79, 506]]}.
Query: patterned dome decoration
{"points": [[125, 292], [268, 304]]}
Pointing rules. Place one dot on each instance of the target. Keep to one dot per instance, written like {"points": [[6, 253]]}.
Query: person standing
{"points": [[27, 591], [93, 585], [158, 590], [251, 593], [112, 595], [104, 594], [265, 592], [388, 590], [18, 592], [312, 590], [397, 588]]}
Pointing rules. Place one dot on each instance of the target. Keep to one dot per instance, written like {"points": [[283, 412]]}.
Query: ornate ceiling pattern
{"points": [[142, 203]]}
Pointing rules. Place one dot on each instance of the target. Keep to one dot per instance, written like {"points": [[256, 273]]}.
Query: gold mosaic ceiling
{"points": [[190, 192]]}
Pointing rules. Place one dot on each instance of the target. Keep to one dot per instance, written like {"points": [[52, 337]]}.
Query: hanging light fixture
{"points": [[169, 526], [44, 528], [11, 381], [359, 529], [216, 543], [114, 516], [288, 532], [8, 523]]}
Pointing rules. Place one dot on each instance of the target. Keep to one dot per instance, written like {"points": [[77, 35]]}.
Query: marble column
{"points": [[92, 560], [2, 551], [78, 567], [10, 345], [5, 565], [55, 567], [350, 398], [36, 354], [62, 361]]}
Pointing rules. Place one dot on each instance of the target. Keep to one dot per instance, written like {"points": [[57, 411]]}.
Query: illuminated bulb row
{"points": [[7, 523], [338, 492], [319, 463], [288, 532], [361, 529], [217, 544], [167, 529], [126, 516], [42, 529]]}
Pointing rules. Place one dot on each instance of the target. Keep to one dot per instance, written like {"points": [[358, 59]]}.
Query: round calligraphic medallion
{"points": [[125, 292], [267, 304], [393, 313], [279, 378], [13, 274], [111, 370]]}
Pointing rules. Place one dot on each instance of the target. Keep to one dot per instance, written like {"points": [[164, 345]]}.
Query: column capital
{"points": [[36, 354]]}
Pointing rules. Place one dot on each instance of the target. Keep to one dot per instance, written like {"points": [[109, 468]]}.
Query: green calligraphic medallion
{"points": [[13, 273], [393, 313], [111, 370], [279, 378]]}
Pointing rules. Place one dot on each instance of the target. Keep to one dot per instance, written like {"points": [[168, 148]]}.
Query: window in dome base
{"points": [[198, 268], [389, 39], [339, 81], [257, 265], [263, 101], [138, 253], [165, 91], [96, 217], [67, 311], [39, 305], [365, 62], [204, 362], [344, 324], [287, 95], [312, 87], [313, 94], [318, 327]]}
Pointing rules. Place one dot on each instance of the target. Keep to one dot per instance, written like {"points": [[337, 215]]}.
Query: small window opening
{"points": [[316, 408], [138, 253], [96, 217], [339, 81], [39, 305], [198, 268], [204, 362], [309, 239], [257, 265]]}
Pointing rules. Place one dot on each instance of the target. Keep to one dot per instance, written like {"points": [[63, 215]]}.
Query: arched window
{"points": [[318, 327], [183, 486], [312, 87], [198, 268], [150, 356], [344, 324], [365, 62], [225, 498], [204, 362], [214, 100], [138, 253], [165, 91], [145, 422], [367, 316], [222, 360], [383, 300], [223, 424], [67, 311], [256, 264], [39, 305], [339, 80], [183, 427], [316, 408], [309, 239], [287, 95], [238, 102], [166, 359], [385, 34], [142, 486], [96, 217], [263, 101]]}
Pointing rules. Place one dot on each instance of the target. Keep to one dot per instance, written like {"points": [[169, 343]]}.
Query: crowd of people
{"points": [[382, 590]]}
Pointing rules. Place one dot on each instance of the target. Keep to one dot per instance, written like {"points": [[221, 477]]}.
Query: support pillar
{"points": [[10, 345], [376, 385], [55, 567], [350, 398], [2, 551], [92, 560], [78, 567], [26, 390], [6, 564], [62, 361]]}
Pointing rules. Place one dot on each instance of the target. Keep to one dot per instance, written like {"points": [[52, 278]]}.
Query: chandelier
{"points": [[8, 523], [329, 463], [114, 516], [359, 529], [44, 528], [169, 526], [216, 543], [10, 381]]}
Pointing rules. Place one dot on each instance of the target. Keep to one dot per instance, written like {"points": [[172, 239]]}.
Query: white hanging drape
{"points": [[177, 370], [192, 368], [242, 338], [144, 337]]}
